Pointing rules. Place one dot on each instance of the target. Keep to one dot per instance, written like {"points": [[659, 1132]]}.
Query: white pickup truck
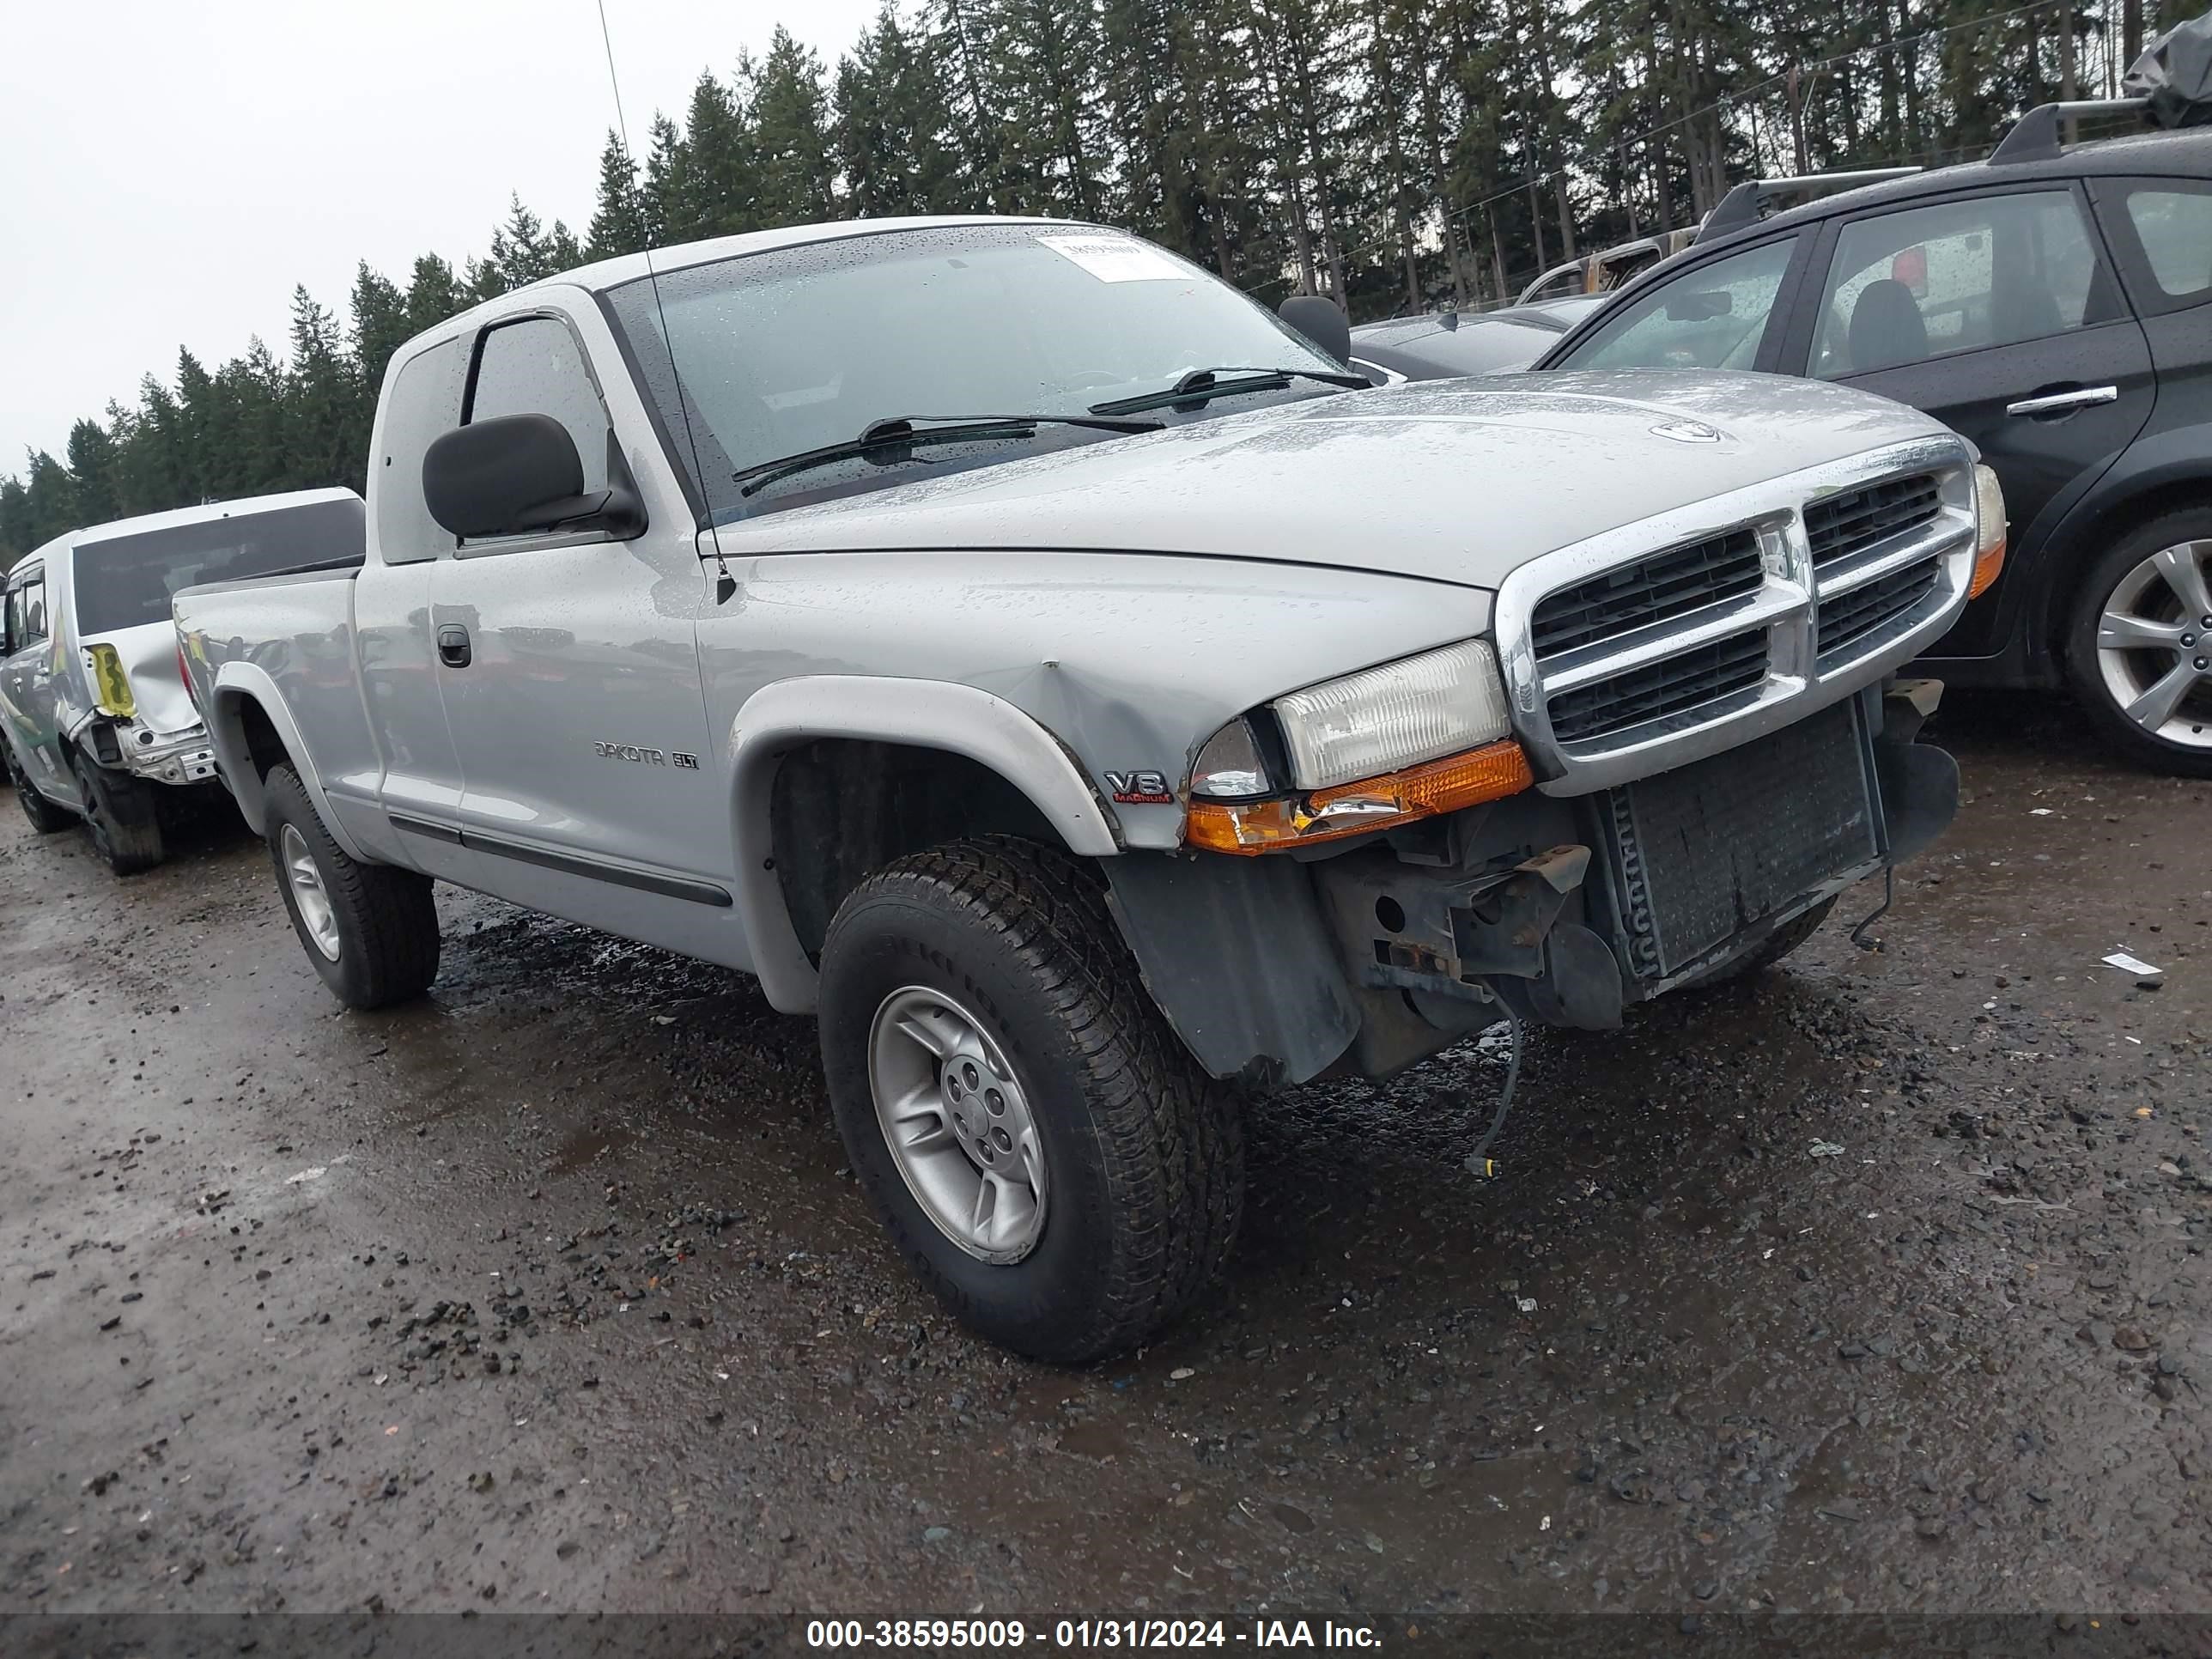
{"points": [[94, 722], [1017, 648]]}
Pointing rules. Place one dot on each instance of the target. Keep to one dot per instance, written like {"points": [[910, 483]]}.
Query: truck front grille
{"points": [[1653, 590], [1672, 638], [1839, 526], [1679, 684]]}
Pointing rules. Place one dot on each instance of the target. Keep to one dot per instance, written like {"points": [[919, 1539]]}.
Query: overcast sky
{"points": [[174, 166]]}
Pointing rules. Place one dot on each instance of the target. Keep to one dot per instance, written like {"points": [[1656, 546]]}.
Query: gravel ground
{"points": [[1874, 1284]]}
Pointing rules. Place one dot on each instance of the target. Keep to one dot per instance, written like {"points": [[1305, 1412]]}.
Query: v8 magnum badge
{"points": [[1139, 788]]}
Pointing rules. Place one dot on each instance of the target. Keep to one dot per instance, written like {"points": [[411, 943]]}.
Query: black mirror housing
{"points": [[518, 473], [1322, 320]]}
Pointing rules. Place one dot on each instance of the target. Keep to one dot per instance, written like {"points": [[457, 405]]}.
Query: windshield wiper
{"points": [[904, 431], [1199, 385]]}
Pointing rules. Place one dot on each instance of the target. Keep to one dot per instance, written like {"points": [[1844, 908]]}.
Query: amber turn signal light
{"points": [[1490, 772]]}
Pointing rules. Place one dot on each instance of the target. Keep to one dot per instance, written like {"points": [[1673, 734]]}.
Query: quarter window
{"points": [[1713, 316], [535, 366], [1932, 282], [2173, 222]]}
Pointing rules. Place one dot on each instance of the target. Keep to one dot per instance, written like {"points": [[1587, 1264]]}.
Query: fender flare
{"points": [[236, 683], [962, 720]]}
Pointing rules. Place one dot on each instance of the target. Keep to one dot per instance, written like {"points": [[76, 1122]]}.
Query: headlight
{"points": [[1988, 532], [1373, 751], [1403, 712], [110, 686]]}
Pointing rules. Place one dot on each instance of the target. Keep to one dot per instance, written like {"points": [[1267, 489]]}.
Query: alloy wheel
{"points": [[2154, 645], [958, 1124], [316, 913]]}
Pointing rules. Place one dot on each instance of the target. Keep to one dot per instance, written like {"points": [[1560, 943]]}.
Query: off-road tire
{"points": [[2125, 737], [121, 816], [1777, 945], [1144, 1151], [387, 923], [46, 818]]}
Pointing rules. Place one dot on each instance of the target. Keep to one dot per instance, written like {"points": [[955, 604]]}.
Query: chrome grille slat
{"points": [[1836, 526], [1650, 591], [1848, 619], [1672, 685]]}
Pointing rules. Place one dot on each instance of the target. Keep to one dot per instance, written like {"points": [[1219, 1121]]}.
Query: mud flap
{"points": [[1919, 795], [1235, 952]]}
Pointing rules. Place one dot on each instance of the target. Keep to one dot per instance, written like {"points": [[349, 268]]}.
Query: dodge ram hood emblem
{"points": [[1687, 432]]}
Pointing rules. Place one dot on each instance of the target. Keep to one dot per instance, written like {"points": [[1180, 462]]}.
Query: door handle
{"points": [[2058, 403], [453, 646]]}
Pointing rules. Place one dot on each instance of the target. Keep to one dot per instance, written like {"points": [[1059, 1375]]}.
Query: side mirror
{"points": [[1700, 308], [517, 473], [1322, 320]]}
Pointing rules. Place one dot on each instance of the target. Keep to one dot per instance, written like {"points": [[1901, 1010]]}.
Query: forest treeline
{"points": [[1396, 154]]}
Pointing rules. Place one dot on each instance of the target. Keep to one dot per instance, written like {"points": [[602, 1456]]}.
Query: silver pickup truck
{"points": [[95, 721], [1022, 651]]}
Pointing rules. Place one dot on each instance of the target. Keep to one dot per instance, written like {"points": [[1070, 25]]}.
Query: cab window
{"points": [[1925, 283], [535, 366], [27, 614], [422, 402], [1712, 316]]}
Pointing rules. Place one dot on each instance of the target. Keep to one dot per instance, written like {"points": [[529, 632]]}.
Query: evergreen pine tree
{"points": [[618, 224], [790, 138]]}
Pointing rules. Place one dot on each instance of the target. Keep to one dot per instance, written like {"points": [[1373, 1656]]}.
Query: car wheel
{"points": [[1042, 1148], [2139, 644], [1771, 949], [371, 930], [45, 815], [120, 811]]}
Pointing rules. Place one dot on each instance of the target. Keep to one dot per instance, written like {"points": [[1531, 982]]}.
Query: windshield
{"points": [[127, 581], [786, 351]]}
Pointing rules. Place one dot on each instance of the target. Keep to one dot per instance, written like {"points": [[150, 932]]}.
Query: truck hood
{"points": [[1457, 481]]}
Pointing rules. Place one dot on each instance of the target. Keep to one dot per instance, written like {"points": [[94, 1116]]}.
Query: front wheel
{"points": [[2139, 644], [121, 814], [1042, 1148], [45, 817], [370, 930]]}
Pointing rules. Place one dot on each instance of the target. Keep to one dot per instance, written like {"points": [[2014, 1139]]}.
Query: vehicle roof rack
{"points": [[1747, 203], [2034, 137]]}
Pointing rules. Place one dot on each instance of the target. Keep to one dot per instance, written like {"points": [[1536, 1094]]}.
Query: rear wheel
{"points": [[370, 930], [45, 817], [120, 812], [1043, 1149], [2139, 644]]}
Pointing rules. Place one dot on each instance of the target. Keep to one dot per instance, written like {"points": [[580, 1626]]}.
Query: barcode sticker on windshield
{"points": [[1117, 258]]}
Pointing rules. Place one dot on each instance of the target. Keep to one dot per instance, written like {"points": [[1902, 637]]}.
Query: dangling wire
{"points": [[725, 583], [1478, 1162], [1888, 893]]}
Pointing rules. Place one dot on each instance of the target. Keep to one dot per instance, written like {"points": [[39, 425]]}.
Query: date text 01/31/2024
{"points": [[987, 1634]]}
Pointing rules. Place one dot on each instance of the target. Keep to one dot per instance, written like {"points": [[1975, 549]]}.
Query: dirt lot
{"points": [[1877, 1284]]}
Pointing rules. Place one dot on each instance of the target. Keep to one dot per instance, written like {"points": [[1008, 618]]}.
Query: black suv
{"points": [[2054, 305]]}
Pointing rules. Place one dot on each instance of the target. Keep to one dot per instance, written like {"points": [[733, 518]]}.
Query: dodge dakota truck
{"points": [[94, 722], [1099, 708]]}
